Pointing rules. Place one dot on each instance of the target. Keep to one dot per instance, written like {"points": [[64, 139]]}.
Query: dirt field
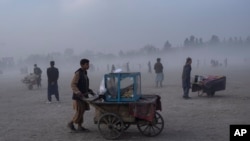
{"points": [[24, 115]]}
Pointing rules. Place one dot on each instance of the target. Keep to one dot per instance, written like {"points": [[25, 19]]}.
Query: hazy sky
{"points": [[112, 25]]}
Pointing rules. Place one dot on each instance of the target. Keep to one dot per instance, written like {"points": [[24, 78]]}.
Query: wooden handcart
{"points": [[113, 118]]}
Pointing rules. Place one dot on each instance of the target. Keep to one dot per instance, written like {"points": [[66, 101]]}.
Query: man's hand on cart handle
{"points": [[92, 93]]}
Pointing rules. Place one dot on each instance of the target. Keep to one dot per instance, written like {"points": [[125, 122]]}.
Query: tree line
{"points": [[69, 56]]}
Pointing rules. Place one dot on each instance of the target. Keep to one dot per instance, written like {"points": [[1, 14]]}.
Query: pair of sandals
{"points": [[79, 129]]}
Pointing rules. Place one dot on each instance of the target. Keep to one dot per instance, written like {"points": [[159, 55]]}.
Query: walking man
{"points": [[53, 75], [80, 87]]}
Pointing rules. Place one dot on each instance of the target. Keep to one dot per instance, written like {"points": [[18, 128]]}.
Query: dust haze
{"points": [[124, 33], [26, 116], [114, 26], [136, 60]]}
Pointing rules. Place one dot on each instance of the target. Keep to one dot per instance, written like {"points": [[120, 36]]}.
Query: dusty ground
{"points": [[24, 115]]}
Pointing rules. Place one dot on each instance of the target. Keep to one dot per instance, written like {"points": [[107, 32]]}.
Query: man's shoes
{"points": [[186, 97], [71, 126], [48, 102], [82, 129]]}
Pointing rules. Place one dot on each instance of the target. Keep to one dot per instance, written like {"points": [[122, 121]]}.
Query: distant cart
{"points": [[30, 80], [208, 85], [115, 114]]}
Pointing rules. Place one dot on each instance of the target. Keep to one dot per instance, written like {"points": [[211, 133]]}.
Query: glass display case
{"points": [[122, 86]]}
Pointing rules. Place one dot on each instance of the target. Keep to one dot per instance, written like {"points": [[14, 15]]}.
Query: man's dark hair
{"points": [[84, 61], [188, 59], [52, 63]]}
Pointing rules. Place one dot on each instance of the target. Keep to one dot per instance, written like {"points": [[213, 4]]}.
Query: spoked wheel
{"points": [[110, 126], [153, 128]]}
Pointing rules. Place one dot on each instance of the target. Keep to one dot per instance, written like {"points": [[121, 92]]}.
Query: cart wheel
{"points": [[153, 128], [111, 126]]}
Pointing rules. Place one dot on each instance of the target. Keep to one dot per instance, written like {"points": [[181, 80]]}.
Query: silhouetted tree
{"points": [[214, 40], [121, 53], [192, 40], [186, 43], [230, 41], [248, 40], [240, 42], [149, 49], [167, 46], [200, 41]]}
